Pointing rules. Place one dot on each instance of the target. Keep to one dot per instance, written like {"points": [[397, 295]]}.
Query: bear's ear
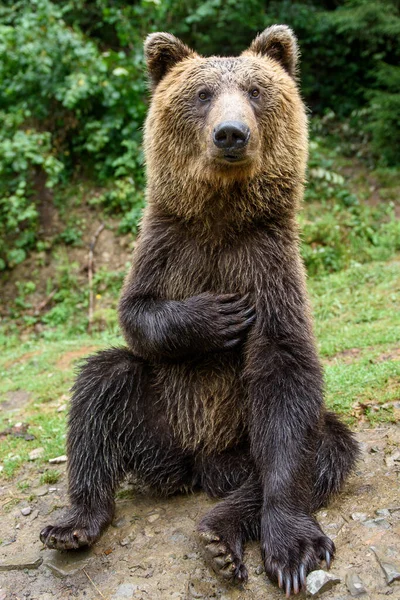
{"points": [[162, 51], [280, 43]]}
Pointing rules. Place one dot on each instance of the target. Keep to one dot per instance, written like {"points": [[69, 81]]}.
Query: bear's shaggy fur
{"points": [[220, 386]]}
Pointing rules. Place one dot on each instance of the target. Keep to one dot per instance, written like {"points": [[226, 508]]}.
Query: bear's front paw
{"points": [[69, 537], [292, 546]]}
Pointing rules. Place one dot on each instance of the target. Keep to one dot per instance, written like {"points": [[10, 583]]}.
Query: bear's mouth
{"points": [[232, 157], [231, 160]]}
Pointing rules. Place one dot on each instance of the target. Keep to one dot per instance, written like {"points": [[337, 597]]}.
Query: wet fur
{"points": [[220, 386]]}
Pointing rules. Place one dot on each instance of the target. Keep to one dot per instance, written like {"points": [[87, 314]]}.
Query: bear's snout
{"points": [[231, 136]]}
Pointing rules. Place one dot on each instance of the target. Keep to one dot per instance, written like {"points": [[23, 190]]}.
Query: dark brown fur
{"points": [[221, 386]]}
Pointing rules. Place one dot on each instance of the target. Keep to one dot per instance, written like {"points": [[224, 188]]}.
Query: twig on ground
{"points": [[93, 584], [90, 274], [44, 303]]}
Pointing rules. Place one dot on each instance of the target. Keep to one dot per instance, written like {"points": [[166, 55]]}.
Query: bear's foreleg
{"points": [[285, 391], [115, 427], [158, 329]]}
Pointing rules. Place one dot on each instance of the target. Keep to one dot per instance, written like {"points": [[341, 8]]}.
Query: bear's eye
{"points": [[204, 96], [255, 93]]}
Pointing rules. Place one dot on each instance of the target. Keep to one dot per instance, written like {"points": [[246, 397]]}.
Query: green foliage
{"points": [[384, 113], [125, 197], [338, 229], [22, 153], [73, 90], [65, 102]]}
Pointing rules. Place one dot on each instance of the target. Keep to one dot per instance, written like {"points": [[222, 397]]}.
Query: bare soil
{"points": [[151, 550]]}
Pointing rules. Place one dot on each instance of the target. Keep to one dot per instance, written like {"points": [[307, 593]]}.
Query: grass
{"points": [[45, 370], [357, 325]]}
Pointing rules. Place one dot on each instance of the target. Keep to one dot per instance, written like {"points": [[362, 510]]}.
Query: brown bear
{"points": [[220, 387]]}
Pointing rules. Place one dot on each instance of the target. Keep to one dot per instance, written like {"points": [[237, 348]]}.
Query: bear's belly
{"points": [[206, 401]]}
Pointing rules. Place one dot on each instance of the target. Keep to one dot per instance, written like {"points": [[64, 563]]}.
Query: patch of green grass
{"points": [[357, 323], [49, 477], [363, 382], [45, 370], [357, 307], [23, 485]]}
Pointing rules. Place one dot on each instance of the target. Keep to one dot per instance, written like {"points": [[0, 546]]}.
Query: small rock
{"points": [[125, 542], [67, 563], [119, 522], [259, 570], [391, 570], [34, 515], [392, 459], [199, 589], [153, 518], [20, 562], [320, 581], [354, 584], [42, 491], [62, 408], [357, 516], [380, 522], [58, 460], [9, 542], [52, 490], [36, 453], [64, 564], [26, 511], [125, 590], [383, 512]]}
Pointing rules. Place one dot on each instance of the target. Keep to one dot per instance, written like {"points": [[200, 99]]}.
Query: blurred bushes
{"points": [[337, 229], [73, 91], [67, 103]]}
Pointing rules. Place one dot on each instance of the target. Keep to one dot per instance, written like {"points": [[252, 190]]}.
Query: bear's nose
{"points": [[231, 135]]}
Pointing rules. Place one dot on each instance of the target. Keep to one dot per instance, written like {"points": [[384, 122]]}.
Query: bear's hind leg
{"points": [[221, 473], [114, 428], [336, 455]]}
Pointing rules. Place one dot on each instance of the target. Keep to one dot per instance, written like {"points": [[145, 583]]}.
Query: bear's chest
{"points": [[193, 268]]}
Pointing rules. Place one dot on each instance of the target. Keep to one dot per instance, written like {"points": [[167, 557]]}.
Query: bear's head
{"points": [[219, 124]]}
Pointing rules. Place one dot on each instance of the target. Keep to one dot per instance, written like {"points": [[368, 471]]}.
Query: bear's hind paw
{"points": [[68, 537], [223, 560]]}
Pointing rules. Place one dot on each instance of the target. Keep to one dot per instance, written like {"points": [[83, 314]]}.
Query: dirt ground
{"points": [[151, 552]]}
